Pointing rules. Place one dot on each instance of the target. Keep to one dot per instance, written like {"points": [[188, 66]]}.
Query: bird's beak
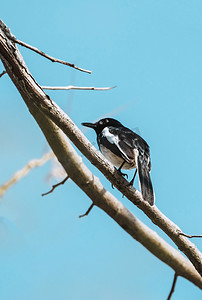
{"points": [[91, 125]]}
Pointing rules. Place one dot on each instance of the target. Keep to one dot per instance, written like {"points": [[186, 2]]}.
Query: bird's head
{"points": [[101, 124]]}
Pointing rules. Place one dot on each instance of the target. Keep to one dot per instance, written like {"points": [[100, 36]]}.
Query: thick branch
{"points": [[82, 176], [97, 159], [32, 93]]}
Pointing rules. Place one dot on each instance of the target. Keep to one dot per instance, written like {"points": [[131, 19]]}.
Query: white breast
{"points": [[114, 159]]}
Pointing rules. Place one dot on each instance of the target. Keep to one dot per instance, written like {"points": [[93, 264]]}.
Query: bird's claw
{"points": [[123, 174]]}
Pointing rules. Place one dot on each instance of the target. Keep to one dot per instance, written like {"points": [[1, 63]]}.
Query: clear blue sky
{"points": [[152, 52]]}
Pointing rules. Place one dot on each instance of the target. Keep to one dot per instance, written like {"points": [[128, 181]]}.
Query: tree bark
{"points": [[51, 119]]}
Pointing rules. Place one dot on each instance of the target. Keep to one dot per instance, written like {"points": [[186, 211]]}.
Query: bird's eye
{"points": [[107, 120]]}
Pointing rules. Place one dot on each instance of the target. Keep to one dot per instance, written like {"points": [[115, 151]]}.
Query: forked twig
{"points": [[71, 87], [48, 56], [56, 185]]}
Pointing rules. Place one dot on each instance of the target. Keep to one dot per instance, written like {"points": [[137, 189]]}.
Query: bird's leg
{"points": [[119, 170], [132, 181], [121, 173]]}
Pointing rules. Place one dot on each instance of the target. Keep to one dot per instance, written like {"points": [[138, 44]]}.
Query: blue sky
{"points": [[151, 50]]}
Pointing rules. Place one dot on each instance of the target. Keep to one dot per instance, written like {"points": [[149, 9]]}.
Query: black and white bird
{"points": [[126, 150]]}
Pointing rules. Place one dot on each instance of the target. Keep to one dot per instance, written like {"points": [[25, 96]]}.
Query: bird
{"points": [[125, 150]]}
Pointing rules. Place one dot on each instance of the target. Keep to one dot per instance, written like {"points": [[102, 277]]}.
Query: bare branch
{"points": [[173, 287], [87, 212], [47, 114], [63, 121], [71, 87], [48, 56], [24, 171], [91, 185], [190, 236], [1, 74], [56, 185]]}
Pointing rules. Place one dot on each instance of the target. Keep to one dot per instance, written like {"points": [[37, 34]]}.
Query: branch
{"points": [[173, 287], [49, 57], [82, 176], [7, 33], [71, 87], [1, 74], [88, 211], [91, 185], [56, 185], [44, 110], [24, 171], [190, 236], [96, 158]]}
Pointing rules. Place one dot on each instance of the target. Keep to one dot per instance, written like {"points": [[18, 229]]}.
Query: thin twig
{"points": [[1, 74], [56, 185], [87, 212], [190, 236], [173, 287], [71, 87], [48, 56], [24, 171]]}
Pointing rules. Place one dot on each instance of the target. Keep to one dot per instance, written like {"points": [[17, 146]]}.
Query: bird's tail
{"points": [[145, 182]]}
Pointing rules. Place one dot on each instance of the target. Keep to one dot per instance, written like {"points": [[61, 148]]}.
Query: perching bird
{"points": [[126, 150]]}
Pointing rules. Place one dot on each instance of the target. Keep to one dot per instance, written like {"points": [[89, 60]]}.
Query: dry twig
{"points": [[173, 287], [1, 74], [48, 56], [87, 212], [56, 185], [190, 236], [24, 171], [71, 87]]}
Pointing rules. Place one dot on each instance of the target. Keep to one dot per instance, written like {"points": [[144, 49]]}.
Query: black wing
{"points": [[123, 142], [128, 141], [116, 144]]}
